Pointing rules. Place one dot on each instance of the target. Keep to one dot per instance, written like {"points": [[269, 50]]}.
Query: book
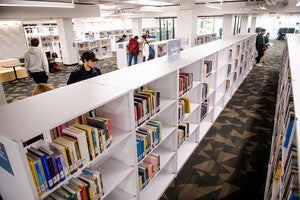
{"points": [[80, 135], [89, 136], [102, 123], [98, 176], [70, 150], [45, 165], [187, 104], [36, 171], [70, 191], [82, 186], [63, 159], [51, 157]]}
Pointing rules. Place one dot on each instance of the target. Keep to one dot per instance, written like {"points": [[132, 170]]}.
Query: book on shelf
{"points": [[81, 138], [90, 141], [207, 68], [185, 82], [205, 90], [60, 149], [104, 128], [229, 67], [84, 190], [95, 175], [70, 152], [37, 172], [187, 104], [52, 163], [45, 165]]}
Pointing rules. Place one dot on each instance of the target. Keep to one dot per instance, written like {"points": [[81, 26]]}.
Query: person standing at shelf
{"points": [[260, 45], [148, 34], [267, 44], [86, 70], [133, 49], [146, 49], [122, 39], [36, 63]]}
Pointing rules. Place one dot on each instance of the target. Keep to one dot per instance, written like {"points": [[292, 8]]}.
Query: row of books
{"points": [[184, 107], [87, 186], [146, 104], [205, 90], [78, 144], [148, 137], [207, 68], [185, 82], [148, 169], [183, 132]]}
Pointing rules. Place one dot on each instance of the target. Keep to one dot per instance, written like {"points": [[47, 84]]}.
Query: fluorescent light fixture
{"points": [[150, 3], [47, 4], [151, 9]]}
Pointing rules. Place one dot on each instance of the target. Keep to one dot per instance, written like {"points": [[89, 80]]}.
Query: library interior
{"points": [[149, 99]]}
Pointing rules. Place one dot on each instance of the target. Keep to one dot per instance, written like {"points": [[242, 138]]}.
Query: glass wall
{"points": [[167, 28], [211, 24], [272, 23]]}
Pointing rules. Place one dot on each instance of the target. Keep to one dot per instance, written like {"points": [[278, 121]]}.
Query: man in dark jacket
{"points": [[86, 70], [260, 46]]}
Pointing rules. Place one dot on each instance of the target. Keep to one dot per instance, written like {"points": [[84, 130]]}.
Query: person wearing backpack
{"points": [[146, 49], [133, 49]]}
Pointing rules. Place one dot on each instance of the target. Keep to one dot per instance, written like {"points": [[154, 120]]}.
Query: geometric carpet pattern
{"points": [[231, 161], [19, 90]]}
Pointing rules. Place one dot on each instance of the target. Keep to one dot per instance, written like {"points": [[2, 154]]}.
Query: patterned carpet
{"points": [[19, 90], [231, 161]]}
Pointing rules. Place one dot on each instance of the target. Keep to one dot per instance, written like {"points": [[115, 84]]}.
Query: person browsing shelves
{"points": [[36, 62], [146, 49], [86, 70]]}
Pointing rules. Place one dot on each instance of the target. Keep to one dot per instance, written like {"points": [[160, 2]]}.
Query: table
{"points": [[15, 72]]}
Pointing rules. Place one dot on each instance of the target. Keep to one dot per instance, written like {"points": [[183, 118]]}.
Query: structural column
{"points": [[253, 24], [187, 24], [137, 27], [67, 41], [227, 29]]}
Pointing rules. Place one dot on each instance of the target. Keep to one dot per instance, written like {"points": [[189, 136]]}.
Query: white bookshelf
{"points": [[280, 164], [205, 38], [101, 47], [111, 94]]}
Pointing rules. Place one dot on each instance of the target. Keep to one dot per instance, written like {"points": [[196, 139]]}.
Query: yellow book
{"points": [[187, 104], [88, 131], [34, 173]]}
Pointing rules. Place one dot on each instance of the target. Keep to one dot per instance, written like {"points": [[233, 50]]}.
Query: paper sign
{"points": [[4, 161], [174, 50]]}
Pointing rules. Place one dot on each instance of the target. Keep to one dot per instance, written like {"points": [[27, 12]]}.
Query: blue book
{"points": [[288, 134], [44, 161]]}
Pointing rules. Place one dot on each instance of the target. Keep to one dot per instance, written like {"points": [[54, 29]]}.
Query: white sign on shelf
{"points": [[174, 50]]}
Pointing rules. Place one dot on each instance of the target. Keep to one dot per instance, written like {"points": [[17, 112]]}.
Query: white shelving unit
{"points": [[205, 38], [111, 94], [283, 172], [101, 47], [48, 37]]}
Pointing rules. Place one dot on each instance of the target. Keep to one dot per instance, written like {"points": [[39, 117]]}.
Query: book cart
{"points": [[283, 174], [199, 79]]}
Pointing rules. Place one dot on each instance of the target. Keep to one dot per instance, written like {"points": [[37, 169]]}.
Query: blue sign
{"points": [[4, 161], [174, 50], [121, 46]]}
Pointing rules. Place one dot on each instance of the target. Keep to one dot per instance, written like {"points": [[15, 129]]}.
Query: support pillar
{"points": [[227, 29], [187, 24], [67, 41], [137, 29]]}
